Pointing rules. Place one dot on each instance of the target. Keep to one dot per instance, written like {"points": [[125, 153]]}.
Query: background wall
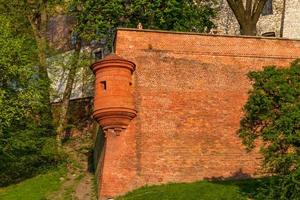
{"points": [[227, 24], [292, 19], [189, 94]]}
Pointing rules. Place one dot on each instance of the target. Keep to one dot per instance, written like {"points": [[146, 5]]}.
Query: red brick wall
{"points": [[189, 93]]}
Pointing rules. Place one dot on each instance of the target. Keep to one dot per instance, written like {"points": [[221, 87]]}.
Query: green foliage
{"points": [[26, 134], [97, 19], [285, 187], [272, 114], [178, 15]]}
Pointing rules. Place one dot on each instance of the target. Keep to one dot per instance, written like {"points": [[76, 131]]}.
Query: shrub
{"points": [[272, 114]]}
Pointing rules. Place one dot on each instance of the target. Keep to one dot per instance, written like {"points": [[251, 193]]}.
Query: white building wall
{"points": [[291, 26]]}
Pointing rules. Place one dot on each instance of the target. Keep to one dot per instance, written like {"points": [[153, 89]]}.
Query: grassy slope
{"points": [[35, 188], [203, 190]]}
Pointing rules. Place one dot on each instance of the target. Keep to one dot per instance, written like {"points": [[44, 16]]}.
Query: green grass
{"points": [[203, 190], [36, 188]]}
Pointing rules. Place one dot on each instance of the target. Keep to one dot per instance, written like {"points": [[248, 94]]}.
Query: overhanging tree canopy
{"points": [[97, 19]]}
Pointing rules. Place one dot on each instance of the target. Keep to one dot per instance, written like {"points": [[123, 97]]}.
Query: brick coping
{"points": [[202, 34]]}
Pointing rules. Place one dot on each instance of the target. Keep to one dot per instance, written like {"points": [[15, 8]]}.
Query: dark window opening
{"points": [[269, 34], [98, 55], [103, 85], [268, 8], [130, 84]]}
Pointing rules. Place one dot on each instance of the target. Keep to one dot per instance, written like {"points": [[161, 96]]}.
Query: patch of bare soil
{"points": [[78, 184]]}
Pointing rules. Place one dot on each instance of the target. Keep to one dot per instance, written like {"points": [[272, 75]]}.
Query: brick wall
{"points": [[189, 93]]}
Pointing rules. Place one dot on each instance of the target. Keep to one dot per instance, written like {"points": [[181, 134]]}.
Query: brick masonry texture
{"points": [[189, 90]]}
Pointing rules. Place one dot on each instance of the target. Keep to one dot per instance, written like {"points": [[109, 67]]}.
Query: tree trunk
{"points": [[248, 28], [247, 13], [63, 118], [39, 28], [38, 24]]}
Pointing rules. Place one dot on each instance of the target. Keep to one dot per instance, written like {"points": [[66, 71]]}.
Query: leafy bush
{"points": [[272, 114], [27, 141], [285, 187]]}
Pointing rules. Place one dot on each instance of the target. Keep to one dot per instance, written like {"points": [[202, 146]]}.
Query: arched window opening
{"points": [[268, 8]]}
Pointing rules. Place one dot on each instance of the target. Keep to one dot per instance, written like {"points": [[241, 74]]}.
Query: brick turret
{"points": [[113, 101]]}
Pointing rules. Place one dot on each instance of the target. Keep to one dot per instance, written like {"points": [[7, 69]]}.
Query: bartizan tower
{"points": [[114, 100]]}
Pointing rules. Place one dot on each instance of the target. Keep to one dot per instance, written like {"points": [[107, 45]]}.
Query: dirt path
{"points": [[78, 184], [84, 189]]}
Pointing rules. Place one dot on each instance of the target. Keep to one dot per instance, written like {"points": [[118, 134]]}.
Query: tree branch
{"points": [[238, 9], [249, 7], [257, 11]]}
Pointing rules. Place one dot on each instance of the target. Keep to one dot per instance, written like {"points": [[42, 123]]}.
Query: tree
{"points": [[73, 67], [247, 13], [97, 19], [34, 13], [27, 143], [37, 13], [31, 16], [272, 115]]}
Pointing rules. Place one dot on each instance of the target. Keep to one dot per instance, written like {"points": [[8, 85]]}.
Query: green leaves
{"points": [[272, 114], [98, 18], [23, 132]]}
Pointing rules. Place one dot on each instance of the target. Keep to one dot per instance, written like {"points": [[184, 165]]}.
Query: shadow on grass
{"points": [[240, 186], [248, 186]]}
